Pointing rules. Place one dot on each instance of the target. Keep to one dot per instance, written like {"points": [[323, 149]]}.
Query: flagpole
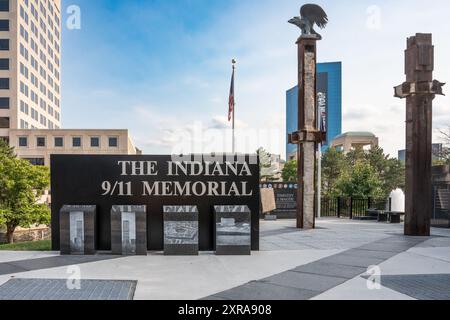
{"points": [[234, 111]]}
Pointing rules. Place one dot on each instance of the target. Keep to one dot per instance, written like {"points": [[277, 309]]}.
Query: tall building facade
{"points": [[30, 65], [329, 96], [30, 88]]}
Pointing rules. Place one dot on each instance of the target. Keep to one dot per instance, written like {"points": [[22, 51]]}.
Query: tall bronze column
{"points": [[308, 136], [419, 91]]}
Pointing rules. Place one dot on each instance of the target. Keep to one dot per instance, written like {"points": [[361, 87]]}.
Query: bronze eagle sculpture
{"points": [[310, 14]]}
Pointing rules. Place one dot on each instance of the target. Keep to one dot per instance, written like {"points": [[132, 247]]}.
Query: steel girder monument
{"points": [[419, 90], [308, 137]]}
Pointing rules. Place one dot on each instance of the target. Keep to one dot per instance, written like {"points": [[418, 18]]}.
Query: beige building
{"points": [[352, 140], [30, 65], [30, 89], [37, 145]]}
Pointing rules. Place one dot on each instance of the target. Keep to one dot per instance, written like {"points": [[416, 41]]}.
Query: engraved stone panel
{"points": [[129, 230], [181, 230], [77, 230], [233, 230]]}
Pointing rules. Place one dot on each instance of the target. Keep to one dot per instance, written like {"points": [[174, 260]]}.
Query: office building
{"points": [[30, 87], [329, 95], [352, 140], [30, 65], [37, 145], [437, 150]]}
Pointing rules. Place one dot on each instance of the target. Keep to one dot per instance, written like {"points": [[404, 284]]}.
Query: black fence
{"points": [[441, 206], [351, 207]]}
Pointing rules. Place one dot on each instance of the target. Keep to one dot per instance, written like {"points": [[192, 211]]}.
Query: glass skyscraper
{"points": [[329, 95]]}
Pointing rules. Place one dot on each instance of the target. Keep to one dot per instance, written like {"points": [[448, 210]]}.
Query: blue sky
{"points": [[157, 67]]}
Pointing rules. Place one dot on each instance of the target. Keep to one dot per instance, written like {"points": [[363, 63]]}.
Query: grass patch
{"points": [[28, 246]]}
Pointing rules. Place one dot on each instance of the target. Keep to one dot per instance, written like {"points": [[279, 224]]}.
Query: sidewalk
{"points": [[326, 263]]}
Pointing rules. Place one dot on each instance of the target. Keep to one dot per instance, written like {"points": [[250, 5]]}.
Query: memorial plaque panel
{"points": [[233, 231], [77, 230], [285, 199], [129, 230], [181, 230]]}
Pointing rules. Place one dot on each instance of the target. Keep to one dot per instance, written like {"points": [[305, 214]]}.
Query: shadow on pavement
{"points": [[49, 262]]}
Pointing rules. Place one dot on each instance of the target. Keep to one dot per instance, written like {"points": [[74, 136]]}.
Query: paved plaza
{"points": [[325, 264]]}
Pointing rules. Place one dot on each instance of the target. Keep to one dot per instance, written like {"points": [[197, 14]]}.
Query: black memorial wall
{"points": [[154, 181]]}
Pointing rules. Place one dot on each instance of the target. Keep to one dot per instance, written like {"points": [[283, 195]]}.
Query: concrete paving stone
{"points": [[420, 287], [330, 269], [313, 282], [264, 291], [370, 254], [7, 268], [385, 247], [437, 242], [53, 262], [347, 260], [214, 298]]}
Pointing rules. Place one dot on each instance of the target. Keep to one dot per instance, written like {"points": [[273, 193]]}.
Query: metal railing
{"points": [[350, 207]]}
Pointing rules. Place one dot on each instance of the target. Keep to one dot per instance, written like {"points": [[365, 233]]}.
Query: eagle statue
{"points": [[310, 14]]}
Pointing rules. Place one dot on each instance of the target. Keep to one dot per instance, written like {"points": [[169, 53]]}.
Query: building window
{"points": [[59, 142], [23, 142], [40, 142], [4, 83], [4, 103], [4, 25], [4, 5], [4, 123], [23, 124], [95, 142], [4, 44], [76, 142], [113, 142], [36, 161], [4, 64]]}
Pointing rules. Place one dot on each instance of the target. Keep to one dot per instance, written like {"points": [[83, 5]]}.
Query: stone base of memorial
{"points": [[233, 230], [78, 230], [181, 230], [129, 230]]}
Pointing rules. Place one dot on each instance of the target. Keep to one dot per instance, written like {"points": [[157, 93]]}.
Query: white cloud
{"points": [[264, 45]]}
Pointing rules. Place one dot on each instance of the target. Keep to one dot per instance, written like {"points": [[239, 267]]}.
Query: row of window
{"points": [[42, 119], [41, 142], [35, 81], [26, 91], [45, 30], [43, 73]]}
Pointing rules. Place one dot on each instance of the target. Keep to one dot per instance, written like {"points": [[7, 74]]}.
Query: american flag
{"points": [[231, 99]]}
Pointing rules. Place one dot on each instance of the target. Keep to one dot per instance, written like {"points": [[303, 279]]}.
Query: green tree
{"points": [[21, 185], [6, 150], [333, 164], [354, 156], [390, 171], [289, 173], [362, 181], [344, 175], [444, 155]]}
